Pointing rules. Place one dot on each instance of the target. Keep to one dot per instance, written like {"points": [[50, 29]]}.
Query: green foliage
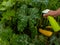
{"points": [[8, 15], [3, 42], [7, 4], [22, 39], [6, 34], [20, 21], [22, 18]]}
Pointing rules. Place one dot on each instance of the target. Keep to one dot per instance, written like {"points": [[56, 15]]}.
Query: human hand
{"points": [[51, 13]]}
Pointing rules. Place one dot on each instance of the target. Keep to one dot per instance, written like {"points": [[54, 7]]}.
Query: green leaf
{"points": [[2, 8], [5, 34], [33, 11], [8, 3], [8, 15], [22, 22], [22, 39], [4, 42], [33, 29], [22, 10]]}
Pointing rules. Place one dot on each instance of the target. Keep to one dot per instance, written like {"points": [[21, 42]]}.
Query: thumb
{"points": [[45, 15]]}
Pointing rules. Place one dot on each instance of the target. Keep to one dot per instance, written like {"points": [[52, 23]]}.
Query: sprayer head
{"points": [[45, 11]]}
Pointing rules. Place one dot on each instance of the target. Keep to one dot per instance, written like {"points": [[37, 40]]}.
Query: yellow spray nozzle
{"points": [[45, 32]]}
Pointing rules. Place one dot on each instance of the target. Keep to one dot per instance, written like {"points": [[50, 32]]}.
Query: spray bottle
{"points": [[52, 21]]}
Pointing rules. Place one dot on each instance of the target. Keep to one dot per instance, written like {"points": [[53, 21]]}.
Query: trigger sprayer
{"points": [[52, 21]]}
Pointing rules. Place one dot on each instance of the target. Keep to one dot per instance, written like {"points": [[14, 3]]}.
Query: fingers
{"points": [[45, 15], [51, 13]]}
